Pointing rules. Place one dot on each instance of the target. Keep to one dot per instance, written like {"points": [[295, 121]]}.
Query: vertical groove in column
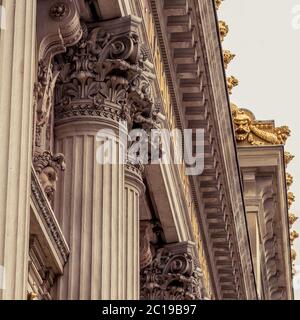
{"points": [[17, 43], [133, 188], [91, 205]]}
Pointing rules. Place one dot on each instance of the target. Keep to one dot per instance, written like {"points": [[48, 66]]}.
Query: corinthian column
{"points": [[17, 47], [102, 81], [133, 188]]}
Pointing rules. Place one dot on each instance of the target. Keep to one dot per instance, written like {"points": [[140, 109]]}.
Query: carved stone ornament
{"points": [[172, 275], [273, 267], [59, 10], [146, 235], [48, 218], [61, 28], [107, 75], [46, 165], [250, 131]]}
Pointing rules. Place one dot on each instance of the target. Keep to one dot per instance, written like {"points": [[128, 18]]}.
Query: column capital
{"points": [[107, 75]]}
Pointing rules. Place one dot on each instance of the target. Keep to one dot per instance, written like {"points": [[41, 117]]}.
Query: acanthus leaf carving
{"points": [[172, 275], [107, 68]]}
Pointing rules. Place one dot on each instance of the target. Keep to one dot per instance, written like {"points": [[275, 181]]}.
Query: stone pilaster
{"points": [[104, 80], [133, 189], [17, 64], [173, 274]]}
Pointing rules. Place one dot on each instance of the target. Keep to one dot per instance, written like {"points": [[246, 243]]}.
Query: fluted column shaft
{"points": [[104, 81], [17, 68], [133, 188], [89, 203]]}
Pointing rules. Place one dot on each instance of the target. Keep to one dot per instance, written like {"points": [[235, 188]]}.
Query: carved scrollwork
{"points": [[63, 30], [172, 275], [59, 10], [106, 68]]}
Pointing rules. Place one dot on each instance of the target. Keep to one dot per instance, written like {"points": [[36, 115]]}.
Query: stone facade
{"points": [[77, 75]]}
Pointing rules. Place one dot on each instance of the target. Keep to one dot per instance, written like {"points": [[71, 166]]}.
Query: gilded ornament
{"points": [[292, 219], [223, 29], [248, 130], [227, 57], [218, 3], [288, 157], [289, 180], [293, 236], [231, 83], [291, 199], [32, 296]]}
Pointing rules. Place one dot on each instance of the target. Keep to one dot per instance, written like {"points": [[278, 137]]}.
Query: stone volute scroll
{"points": [[59, 28], [172, 274], [107, 75]]}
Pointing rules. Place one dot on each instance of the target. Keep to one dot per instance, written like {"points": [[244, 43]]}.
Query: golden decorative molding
{"points": [[292, 219], [223, 29], [288, 157], [32, 296], [227, 57], [289, 180], [293, 236], [218, 3], [248, 130], [231, 83], [291, 199]]}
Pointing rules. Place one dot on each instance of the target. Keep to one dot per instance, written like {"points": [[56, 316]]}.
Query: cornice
{"points": [[217, 192]]}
